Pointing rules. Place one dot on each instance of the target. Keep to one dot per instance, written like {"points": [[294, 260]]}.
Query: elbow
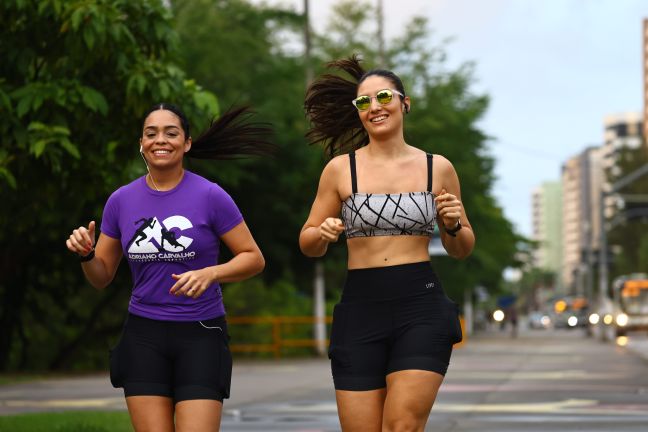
{"points": [[308, 245], [100, 285], [312, 253], [461, 255], [259, 264], [464, 253]]}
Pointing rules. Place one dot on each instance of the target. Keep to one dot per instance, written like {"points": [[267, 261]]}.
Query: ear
{"points": [[187, 145], [406, 103]]}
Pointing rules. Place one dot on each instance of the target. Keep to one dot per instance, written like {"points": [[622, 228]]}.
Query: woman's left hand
{"points": [[193, 283], [449, 209]]}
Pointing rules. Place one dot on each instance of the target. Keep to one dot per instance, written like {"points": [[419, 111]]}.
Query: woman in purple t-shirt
{"points": [[173, 359]]}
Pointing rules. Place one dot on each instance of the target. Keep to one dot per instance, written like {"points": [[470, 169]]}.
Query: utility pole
{"points": [[319, 287], [381, 36], [307, 44]]}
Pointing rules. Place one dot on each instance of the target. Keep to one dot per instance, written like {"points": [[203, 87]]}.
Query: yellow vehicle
{"points": [[626, 309]]}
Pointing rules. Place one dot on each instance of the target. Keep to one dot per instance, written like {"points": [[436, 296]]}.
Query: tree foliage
{"points": [[75, 78], [628, 237]]}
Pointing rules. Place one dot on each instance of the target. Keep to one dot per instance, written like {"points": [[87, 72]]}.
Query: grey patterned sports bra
{"points": [[368, 215]]}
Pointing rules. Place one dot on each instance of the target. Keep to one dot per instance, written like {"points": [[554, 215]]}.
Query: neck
{"points": [[164, 180], [391, 147]]}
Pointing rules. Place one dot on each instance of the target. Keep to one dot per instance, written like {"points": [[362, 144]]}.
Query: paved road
{"points": [[541, 381]]}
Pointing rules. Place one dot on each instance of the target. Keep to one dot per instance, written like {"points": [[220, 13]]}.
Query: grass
{"points": [[69, 421], [6, 379]]}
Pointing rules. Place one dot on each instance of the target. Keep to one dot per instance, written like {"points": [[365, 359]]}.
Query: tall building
{"points": [[582, 178], [547, 222], [622, 131]]}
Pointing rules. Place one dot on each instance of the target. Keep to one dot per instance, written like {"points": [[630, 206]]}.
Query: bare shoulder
{"points": [[335, 170], [335, 165], [443, 165]]}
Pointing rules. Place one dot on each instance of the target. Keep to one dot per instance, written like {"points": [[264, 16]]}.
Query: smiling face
{"points": [[382, 121], [163, 140]]}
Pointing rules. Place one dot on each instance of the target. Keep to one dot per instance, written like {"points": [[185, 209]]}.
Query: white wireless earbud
{"points": [[142, 154]]}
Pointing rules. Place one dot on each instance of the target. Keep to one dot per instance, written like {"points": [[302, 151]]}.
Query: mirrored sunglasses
{"points": [[362, 103]]}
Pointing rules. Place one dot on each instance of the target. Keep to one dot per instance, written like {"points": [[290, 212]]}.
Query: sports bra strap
{"points": [[429, 166], [354, 178]]}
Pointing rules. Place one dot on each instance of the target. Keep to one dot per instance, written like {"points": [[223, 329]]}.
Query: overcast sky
{"points": [[553, 68]]}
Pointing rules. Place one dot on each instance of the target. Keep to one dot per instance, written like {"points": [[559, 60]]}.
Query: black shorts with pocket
{"points": [[391, 319], [175, 359]]}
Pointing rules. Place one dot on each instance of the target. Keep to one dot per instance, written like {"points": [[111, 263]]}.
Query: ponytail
{"points": [[334, 119], [233, 136], [230, 136]]}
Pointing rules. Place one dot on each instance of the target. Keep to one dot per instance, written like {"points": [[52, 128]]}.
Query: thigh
{"points": [[151, 413], [203, 362], [360, 411], [359, 346], [409, 399], [426, 327], [144, 366], [198, 415]]}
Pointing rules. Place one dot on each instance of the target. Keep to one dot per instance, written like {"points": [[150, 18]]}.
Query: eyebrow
{"points": [[163, 127]]}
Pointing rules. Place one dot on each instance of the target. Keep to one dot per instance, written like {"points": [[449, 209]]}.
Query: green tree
{"points": [[75, 78], [628, 237]]}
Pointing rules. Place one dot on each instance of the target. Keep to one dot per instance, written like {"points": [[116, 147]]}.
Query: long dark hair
{"points": [[334, 120], [230, 136]]}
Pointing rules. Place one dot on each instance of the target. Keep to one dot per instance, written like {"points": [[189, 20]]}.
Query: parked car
{"points": [[539, 320]]}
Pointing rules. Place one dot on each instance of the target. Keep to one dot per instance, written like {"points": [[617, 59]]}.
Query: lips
{"points": [[378, 119], [161, 152]]}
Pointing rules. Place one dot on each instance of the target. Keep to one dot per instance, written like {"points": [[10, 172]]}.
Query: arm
{"points": [[247, 262], [322, 226], [450, 210], [100, 270]]}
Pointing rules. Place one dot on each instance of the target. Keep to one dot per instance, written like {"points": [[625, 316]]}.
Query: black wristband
{"points": [[87, 257], [453, 231]]}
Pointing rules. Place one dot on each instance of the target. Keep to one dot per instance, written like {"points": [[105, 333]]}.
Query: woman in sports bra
{"points": [[394, 327]]}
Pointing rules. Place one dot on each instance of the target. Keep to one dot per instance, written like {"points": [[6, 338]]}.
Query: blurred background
{"points": [[538, 105]]}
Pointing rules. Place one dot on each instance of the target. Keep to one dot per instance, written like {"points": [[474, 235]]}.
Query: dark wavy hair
{"points": [[334, 120], [230, 136]]}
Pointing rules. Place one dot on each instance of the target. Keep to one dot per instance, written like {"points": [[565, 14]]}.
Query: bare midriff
{"points": [[382, 251]]}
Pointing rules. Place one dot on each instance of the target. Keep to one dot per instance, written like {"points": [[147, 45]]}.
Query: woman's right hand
{"points": [[331, 229], [82, 240]]}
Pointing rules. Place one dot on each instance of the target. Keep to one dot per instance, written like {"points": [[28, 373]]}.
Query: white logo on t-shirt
{"points": [[153, 236]]}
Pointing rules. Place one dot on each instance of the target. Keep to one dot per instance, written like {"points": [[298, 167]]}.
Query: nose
{"points": [[374, 105], [160, 138]]}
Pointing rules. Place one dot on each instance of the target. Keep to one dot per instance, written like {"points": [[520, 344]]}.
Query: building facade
{"points": [[582, 178], [547, 226]]}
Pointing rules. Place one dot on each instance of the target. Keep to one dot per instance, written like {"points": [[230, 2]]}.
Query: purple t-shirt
{"points": [[169, 232]]}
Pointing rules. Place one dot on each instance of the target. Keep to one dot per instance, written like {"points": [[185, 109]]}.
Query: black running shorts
{"points": [[179, 360], [391, 319]]}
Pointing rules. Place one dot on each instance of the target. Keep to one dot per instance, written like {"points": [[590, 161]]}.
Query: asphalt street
{"points": [[540, 381]]}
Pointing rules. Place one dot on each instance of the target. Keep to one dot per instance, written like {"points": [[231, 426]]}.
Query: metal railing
{"points": [[276, 324]]}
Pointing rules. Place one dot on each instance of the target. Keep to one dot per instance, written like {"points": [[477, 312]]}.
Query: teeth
{"points": [[377, 119], [161, 152]]}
